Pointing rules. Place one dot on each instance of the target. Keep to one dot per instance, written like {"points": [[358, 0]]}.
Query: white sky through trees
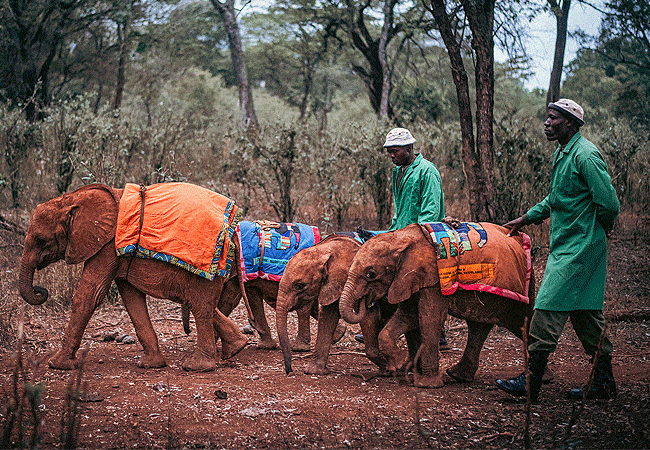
{"points": [[540, 44]]}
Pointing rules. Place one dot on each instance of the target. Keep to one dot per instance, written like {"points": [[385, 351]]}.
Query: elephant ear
{"points": [[333, 280], [416, 267], [91, 222]]}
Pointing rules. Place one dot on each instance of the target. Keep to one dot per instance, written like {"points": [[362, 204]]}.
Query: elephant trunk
{"points": [[281, 312], [350, 303], [34, 295]]}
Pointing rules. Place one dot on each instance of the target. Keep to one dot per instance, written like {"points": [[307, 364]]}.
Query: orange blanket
{"points": [[481, 257], [183, 224]]}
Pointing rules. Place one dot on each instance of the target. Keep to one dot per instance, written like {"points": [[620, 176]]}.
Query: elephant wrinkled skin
{"points": [[318, 274], [400, 267], [80, 227], [259, 291]]}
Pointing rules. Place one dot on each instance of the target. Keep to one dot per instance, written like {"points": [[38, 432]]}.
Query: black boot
{"points": [[603, 385], [517, 386]]}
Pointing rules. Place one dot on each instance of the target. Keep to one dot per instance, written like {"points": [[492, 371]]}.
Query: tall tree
{"points": [[293, 49], [31, 33], [376, 77], [625, 43], [227, 12], [560, 10], [477, 153], [123, 22]]}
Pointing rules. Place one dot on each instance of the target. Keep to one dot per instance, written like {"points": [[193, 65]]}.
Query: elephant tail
{"points": [[185, 314]]}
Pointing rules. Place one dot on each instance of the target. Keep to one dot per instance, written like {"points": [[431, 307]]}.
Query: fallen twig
{"points": [[576, 411], [343, 352], [628, 314], [524, 331], [491, 437]]}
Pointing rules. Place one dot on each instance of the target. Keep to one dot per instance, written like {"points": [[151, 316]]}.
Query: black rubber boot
{"points": [[443, 344], [603, 386], [517, 386]]}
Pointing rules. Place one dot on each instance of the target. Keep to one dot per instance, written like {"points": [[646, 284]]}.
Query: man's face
{"points": [[557, 127], [400, 155]]}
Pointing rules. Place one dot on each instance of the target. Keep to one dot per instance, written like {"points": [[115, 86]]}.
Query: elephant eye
{"points": [[40, 242], [371, 275], [299, 286]]}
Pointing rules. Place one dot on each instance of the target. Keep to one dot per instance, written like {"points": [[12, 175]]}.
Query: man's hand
{"points": [[515, 225]]}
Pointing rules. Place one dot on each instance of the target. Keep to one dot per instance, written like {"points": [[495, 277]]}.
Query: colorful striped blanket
{"points": [[481, 257], [267, 247], [183, 224]]}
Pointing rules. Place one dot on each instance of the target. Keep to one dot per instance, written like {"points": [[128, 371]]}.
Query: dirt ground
{"points": [[248, 402]]}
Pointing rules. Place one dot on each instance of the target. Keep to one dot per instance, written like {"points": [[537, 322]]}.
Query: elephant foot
{"points": [[427, 381], [462, 375], [316, 368], [63, 363], [230, 349], [300, 346], [379, 361], [399, 365], [199, 363], [339, 332], [267, 344], [152, 362]]}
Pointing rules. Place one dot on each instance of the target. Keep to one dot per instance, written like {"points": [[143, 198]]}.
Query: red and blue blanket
{"points": [[267, 247], [482, 257], [182, 224]]}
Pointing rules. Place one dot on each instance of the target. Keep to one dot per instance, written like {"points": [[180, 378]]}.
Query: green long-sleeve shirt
{"points": [[583, 206], [418, 198]]}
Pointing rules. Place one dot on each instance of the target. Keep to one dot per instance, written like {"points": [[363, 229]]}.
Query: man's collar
{"points": [[572, 141], [416, 161]]}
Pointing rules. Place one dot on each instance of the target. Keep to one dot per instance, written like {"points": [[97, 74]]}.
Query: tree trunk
{"points": [[480, 15], [122, 33], [376, 79], [381, 51], [226, 10], [562, 23], [471, 160]]}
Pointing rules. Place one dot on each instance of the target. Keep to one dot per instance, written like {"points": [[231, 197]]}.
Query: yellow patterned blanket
{"points": [[482, 257]]}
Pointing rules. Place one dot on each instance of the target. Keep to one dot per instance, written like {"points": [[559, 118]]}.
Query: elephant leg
{"points": [[98, 273], [232, 339], [339, 331], [370, 327], [401, 322], [432, 312], [230, 296], [205, 313], [256, 301], [135, 303], [303, 339], [465, 369], [413, 342], [327, 322]]}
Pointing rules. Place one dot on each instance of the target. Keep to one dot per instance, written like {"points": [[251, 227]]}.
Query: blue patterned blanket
{"points": [[267, 247]]}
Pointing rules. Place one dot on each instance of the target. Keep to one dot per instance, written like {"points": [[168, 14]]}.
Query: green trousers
{"points": [[546, 327]]}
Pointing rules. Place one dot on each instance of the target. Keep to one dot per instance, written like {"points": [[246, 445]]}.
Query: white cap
{"points": [[398, 137], [570, 108]]}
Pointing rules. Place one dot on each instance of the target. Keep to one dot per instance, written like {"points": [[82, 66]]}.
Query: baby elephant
{"points": [[318, 274], [431, 270]]}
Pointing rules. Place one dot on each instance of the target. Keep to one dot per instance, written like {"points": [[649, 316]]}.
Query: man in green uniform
{"points": [[417, 187], [582, 206]]}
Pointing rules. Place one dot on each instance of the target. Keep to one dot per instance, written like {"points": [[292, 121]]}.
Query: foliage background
{"points": [[318, 156]]}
